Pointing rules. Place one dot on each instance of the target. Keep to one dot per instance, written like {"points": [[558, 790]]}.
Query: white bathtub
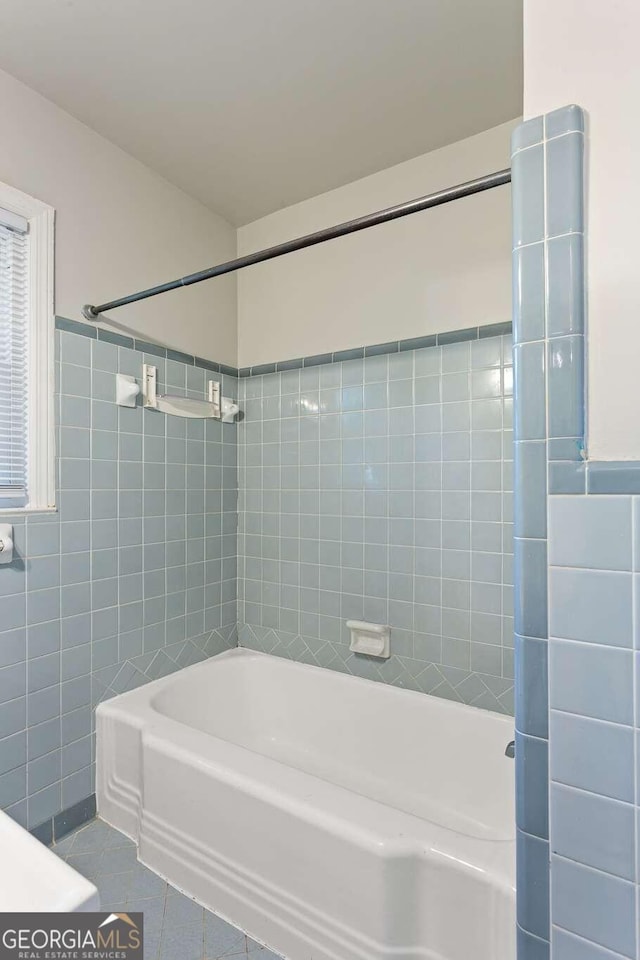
{"points": [[329, 817]]}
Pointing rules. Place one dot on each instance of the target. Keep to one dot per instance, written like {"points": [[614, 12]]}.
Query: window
{"points": [[26, 352]]}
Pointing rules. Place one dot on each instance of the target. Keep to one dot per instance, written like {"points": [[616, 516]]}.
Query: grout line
{"points": [[617, 724]]}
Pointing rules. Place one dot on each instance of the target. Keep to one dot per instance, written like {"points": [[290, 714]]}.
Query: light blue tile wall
{"points": [[549, 429], [593, 716], [579, 898], [133, 577], [380, 489]]}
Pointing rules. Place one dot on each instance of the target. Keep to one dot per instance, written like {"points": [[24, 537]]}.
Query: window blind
{"points": [[14, 331]]}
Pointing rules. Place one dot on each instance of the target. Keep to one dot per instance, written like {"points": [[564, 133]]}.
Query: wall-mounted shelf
{"points": [[179, 406]]}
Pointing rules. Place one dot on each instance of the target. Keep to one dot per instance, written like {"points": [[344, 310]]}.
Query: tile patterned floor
{"points": [[175, 927]]}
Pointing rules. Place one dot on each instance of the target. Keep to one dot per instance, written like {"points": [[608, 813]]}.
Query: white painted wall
{"points": [[446, 268], [119, 228], [585, 52]]}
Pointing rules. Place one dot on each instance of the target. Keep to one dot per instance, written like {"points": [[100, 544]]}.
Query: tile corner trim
{"points": [[55, 828]]}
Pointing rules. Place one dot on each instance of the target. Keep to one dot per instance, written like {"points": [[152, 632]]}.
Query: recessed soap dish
{"points": [[371, 639]]}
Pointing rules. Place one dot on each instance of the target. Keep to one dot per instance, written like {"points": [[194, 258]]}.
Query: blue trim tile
{"points": [[530, 479], [72, 326], [527, 134], [73, 817], [203, 364], [527, 178], [43, 832], [530, 947], [495, 330], [379, 349], [613, 477], [565, 200], [107, 336], [228, 370], [566, 448], [457, 336], [283, 365], [530, 595], [418, 343], [528, 293], [357, 353], [567, 477], [533, 876], [180, 357], [565, 386], [563, 120], [529, 391], [244, 372], [598, 906], [316, 361], [154, 349], [532, 791], [565, 286]]}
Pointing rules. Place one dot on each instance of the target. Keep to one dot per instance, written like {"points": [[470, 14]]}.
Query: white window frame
{"points": [[41, 490]]}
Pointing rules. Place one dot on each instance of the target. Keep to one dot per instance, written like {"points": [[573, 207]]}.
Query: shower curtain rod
{"points": [[467, 189]]}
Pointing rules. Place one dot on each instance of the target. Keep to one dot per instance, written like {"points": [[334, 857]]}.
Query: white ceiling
{"points": [[251, 105]]}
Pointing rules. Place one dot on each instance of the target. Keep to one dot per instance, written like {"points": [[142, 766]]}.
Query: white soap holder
{"points": [[371, 639], [228, 410], [126, 390]]}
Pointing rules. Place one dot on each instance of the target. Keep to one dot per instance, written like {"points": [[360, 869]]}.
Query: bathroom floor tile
{"points": [[175, 926]]}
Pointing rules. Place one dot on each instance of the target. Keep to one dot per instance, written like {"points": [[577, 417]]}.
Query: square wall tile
{"points": [[591, 680], [595, 831], [592, 755], [598, 906], [591, 605], [592, 532]]}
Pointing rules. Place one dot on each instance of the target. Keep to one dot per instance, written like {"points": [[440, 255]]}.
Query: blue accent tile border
{"points": [[495, 330], [418, 343], [106, 336], [84, 330], [458, 336], [154, 349], [206, 364], [261, 369], [144, 346], [380, 349], [596, 477], [622, 476], [55, 828], [319, 360], [180, 357]]}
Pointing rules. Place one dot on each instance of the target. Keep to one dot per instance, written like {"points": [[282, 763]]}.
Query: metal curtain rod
{"points": [[492, 180]]}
